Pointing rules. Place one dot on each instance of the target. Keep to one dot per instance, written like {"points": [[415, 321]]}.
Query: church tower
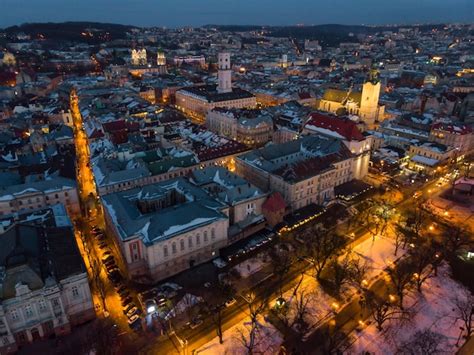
{"points": [[224, 74], [160, 58], [369, 102], [138, 57]]}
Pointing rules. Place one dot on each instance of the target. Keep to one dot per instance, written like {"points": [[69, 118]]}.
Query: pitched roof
{"points": [[343, 127], [274, 203], [340, 95]]}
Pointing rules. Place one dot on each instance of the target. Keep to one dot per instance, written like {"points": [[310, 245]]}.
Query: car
{"points": [[417, 194], [111, 267], [107, 253], [230, 302], [195, 323], [107, 258], [109, 261], [132, 311], [102, 246], [133, 319], [128, 307], [207, 285]]}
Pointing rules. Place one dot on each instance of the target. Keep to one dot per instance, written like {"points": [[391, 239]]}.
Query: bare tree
{"points": [[424, 261], [423, 342], [464, 311], [319, 247], [281, 259], [349, 270], [455, 238], [401, 276], [381, 310], [224, 292], [377, 216], [257, 305]]}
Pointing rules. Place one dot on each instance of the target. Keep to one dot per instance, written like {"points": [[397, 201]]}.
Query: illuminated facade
{"points": [[364, 104], [138, 57]]}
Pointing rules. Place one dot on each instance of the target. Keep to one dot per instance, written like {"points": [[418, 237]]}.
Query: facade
{"points": [[40, 194], [427, 156], [304, 171], [364, 104], [458, 136], [165, 228], [138, 57], [349, 133], [44, 285], [198, 100], [244, 200], [250, 127]]}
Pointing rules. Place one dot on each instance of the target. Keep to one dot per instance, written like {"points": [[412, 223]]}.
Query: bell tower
{"points": [[224, 74], [369, 102]]}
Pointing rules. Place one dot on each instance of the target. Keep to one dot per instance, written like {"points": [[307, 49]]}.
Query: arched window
{"points": [[181, 242], [198, 239], [205, 236], [165, 251], [173, 247]]}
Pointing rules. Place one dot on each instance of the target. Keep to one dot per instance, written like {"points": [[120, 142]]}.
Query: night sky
{"points": [[174, 13]]}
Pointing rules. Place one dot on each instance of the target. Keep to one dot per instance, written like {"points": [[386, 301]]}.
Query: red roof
{"points": [[451, 128], [344, 127], [114, 126], [274, 203]]}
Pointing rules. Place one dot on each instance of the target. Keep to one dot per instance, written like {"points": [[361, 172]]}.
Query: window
{"points": [[165, 250], [55, 302], [213, 234], [173, 248], [181, 242], [14, 314], [75, 291], [198, 239], [28, 311], [42, 305], [190, 242], [205, 236]]}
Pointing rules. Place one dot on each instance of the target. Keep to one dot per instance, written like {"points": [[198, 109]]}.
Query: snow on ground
{"points": [[318, 306], [267, 340], [434, 310], [378, 254], [250, 266]]}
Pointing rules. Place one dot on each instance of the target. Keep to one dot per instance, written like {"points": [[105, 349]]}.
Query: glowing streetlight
{"points": [[391, 298]]}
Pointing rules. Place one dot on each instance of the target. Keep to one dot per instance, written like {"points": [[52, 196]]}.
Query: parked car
{"points": [[230, 302], [132, 311], [133, 319], [107, 258], [195, 323], [128, 307]]}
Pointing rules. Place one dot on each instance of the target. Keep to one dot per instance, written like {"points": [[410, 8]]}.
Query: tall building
{"points": [[364, 103], [160, 58], [224, 74], [138, 57], [196, 101]]}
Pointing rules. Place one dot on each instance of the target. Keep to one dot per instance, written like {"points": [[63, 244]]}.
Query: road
{"points": [[110, 304]]}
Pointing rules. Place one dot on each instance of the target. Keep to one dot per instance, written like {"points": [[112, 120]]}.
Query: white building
{"points": [[40, 194], [165, 228], [44, 288], [304, 171]]}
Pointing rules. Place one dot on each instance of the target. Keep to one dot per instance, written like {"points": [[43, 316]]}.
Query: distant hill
{"points": [[328, 35], [91, 32]]}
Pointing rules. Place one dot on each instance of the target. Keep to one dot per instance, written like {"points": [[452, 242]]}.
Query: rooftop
{"points": [[210, 93]]}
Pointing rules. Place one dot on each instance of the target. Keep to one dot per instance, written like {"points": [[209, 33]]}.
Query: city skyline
{"points": [[265, 12]]}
